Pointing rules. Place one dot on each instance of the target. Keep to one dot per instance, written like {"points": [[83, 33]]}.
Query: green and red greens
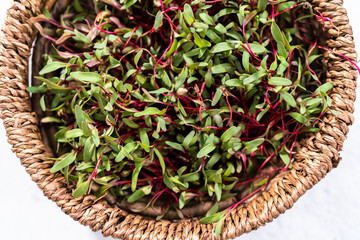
{"points": [[180, 101]]}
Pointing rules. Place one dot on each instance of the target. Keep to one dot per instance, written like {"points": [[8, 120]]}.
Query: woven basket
{"points": [[316, 154]]}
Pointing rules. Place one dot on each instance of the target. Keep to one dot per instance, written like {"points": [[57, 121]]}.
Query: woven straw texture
{"points": [[315, 156]]}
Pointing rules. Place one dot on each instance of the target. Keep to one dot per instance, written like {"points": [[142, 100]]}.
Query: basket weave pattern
{"points": [[316, 154]]}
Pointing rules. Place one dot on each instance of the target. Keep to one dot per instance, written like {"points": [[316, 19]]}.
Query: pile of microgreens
{"points": [[179, 100]]}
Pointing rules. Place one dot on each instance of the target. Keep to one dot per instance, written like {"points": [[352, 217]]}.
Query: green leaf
{"points": [[222, 68], [135, 175], [313, 58], [262, 113], [51, 67], [77, 6], [209, 79], [218, 191], [91, 77], [95, 137], [139, 193], [325, 87], [60, 135], [190, 177], [172, 48], [36, 89], [148, 111], [81, 190], [251, 146], [288, 98], [221, 47], [262, 5], [217, 97], [257, 48], [181, 170], [182, 23], [213, 210], [146, 147], [206, 18], [129, 73], [138, 56], [178, 182], [285, 158], [125, 152], [182, 78], [144, 137], [286, 5], [103, 180], [182, 110], [198, 41], [213, 36], [214, 159], [262, 182], [213, 218], [206, 150], [175, 145], [246, 61], [188, 138], [220, 28], [188, 14], [66, 161], [312, 102], [230, 169], [169, 183], [42, 103], [51, 120], [298, 117], [256, 76], [219, 226], [79, 115], [130, 123], [232, 131], [88, 149], [182, 200], [81, 37], [161, 160], [282, 50], [224, 11], [50, 84], [158, 19], [264, 62], [129, 3], [74, 133], [276, 33], [279, 81], [234, 83]]}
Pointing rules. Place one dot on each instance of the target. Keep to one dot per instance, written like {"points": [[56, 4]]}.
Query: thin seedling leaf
{"points": [[81, 190], [51, 67], [158, 19], [279, 81], [206, 150], [288, 98], [188, 14], [66, 161], [213, 218], [91, 77], [139, 193]]}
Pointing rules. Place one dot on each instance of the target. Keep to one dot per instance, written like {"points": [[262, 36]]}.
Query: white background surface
{"points": [[330, 210]]}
